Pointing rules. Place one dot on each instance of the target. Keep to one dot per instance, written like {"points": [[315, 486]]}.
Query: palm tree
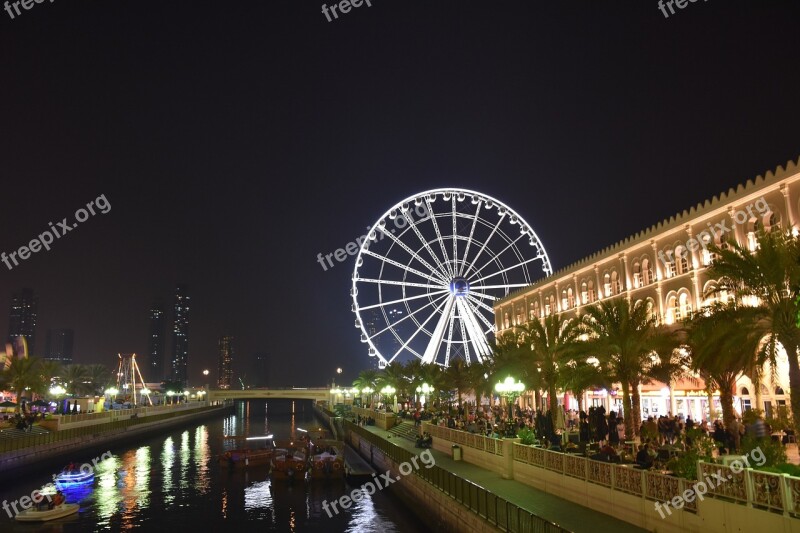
{"points": [[623, 337], [367, 379], [457, 378], [99, 377], [579, 376], [50, 370], [769, 278], [75, 378], [550, 345], [24, 375], [724, 344], [478, 378]]}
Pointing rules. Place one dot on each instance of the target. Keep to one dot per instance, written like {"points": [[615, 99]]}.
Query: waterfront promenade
{"points": [[568, 515]]}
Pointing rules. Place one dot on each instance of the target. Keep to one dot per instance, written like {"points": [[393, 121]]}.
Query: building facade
{"points": [[156, 344], [225, 364], [59, 346], [22, 321], [180, 335], [665, 268]]}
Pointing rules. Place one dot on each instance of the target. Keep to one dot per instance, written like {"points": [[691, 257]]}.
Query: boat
{"points": [[244, 457], [290, 461], [60, 511], [69, 477], [328, 461]]}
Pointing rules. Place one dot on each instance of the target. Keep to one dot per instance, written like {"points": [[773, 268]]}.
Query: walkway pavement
{"points": [[563, 512]]}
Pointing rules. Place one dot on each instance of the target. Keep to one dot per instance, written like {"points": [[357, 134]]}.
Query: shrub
{"points": [[527, 435], [774, 453]]}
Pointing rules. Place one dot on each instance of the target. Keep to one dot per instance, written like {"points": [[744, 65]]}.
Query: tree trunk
{"points": [[757, 385], [726, 399], [551, 393], [636, 408], [538, 397], [794, 387], [627, 414], [712, 414]]}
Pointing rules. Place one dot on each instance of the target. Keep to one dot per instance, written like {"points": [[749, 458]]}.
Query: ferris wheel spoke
{"points": [[413, 225], [402, 283], [401, 265], [480, 315], [507, 269], [392, 325], [505, 286], [476, 336], [473, 292], [480, 304], [446, 303], [469, 240], [489, 238], [455, 238], [440, 239], [414, 254], [499, 254], [402, 300]]}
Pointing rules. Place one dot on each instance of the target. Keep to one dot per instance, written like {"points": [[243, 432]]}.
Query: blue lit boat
{"points": [[69, 478]]}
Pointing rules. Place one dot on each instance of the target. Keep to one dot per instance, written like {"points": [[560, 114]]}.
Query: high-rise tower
{"points": [[225, 362], [22, 319], [180, 335]]}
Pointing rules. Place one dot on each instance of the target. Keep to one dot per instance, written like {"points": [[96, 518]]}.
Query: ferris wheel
{"points": [[430, 269]]}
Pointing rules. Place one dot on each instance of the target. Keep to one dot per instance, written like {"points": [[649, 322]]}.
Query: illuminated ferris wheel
{"points": [[427, 275]]}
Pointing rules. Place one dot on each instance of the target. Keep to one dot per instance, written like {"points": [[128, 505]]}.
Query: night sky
{"points": [[237, 140]]}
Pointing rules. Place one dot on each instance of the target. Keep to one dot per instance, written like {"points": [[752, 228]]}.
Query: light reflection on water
{"points": [[174, 482]]}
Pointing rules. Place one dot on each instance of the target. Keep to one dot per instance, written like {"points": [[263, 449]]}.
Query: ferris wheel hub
{"points": [[459, 287]]}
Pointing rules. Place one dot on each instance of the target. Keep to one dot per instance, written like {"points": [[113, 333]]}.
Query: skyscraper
{"points": [[22, 319], [155, 345], [59, 346], [180, 335], [225, 362]]}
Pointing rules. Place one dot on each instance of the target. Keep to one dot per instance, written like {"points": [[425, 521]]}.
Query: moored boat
{"points": [[59, 511], [246, 457]]}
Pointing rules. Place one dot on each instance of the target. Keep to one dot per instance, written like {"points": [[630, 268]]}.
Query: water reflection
{"points": [[107, 498], [202, 456], [185, 456], [167, 460]]}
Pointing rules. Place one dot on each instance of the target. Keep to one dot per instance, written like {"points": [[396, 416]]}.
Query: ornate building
{"points": [[665, 267]]}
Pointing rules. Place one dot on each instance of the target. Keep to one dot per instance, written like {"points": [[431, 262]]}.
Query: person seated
{"points": [[58, 499], [643, 458]]}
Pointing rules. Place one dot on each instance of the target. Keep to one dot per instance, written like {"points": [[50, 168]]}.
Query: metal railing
{"points": [[21, 443], [494, 509]]}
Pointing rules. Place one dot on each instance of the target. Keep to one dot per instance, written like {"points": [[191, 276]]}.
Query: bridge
{"points": [[316, 394]]}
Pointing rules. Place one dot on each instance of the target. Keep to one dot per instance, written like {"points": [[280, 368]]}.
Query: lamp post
{"points": [[424, 390], [170, 394], [368, 391], [511, 389], [112, 391], [388, 391], [186, 396], [57, 391]]}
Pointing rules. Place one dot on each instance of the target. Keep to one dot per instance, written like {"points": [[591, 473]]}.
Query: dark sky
{"points": [[237, 140]]}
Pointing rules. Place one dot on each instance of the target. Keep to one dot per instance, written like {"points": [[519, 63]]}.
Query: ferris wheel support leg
{"points": [[438, 333]]}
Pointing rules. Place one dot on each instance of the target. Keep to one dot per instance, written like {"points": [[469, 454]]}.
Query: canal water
{"points": [[173, 482]]}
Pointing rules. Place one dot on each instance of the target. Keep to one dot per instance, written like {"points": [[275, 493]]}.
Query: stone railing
{"points": [[464, 438], [382, 419]]}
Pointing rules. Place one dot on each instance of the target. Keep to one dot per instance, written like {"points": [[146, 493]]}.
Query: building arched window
{"points": [[506, 321], [745, 391], [779, 391], [752, 236], [652, 314], [531, 312], [669, 265], [647, 272], [616, 286], [685, 304], [682, 259], [564, 302], [772, 221], [584, 293], [570, 298], [673, 310], [607, 285], [637, 275], [590, 292]]}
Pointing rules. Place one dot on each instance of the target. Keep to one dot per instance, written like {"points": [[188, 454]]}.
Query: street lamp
{"points": [[186, 396], [57, 391], [170, 394], [368, 391], [387, 391], [424, 390], [511, 389]]}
